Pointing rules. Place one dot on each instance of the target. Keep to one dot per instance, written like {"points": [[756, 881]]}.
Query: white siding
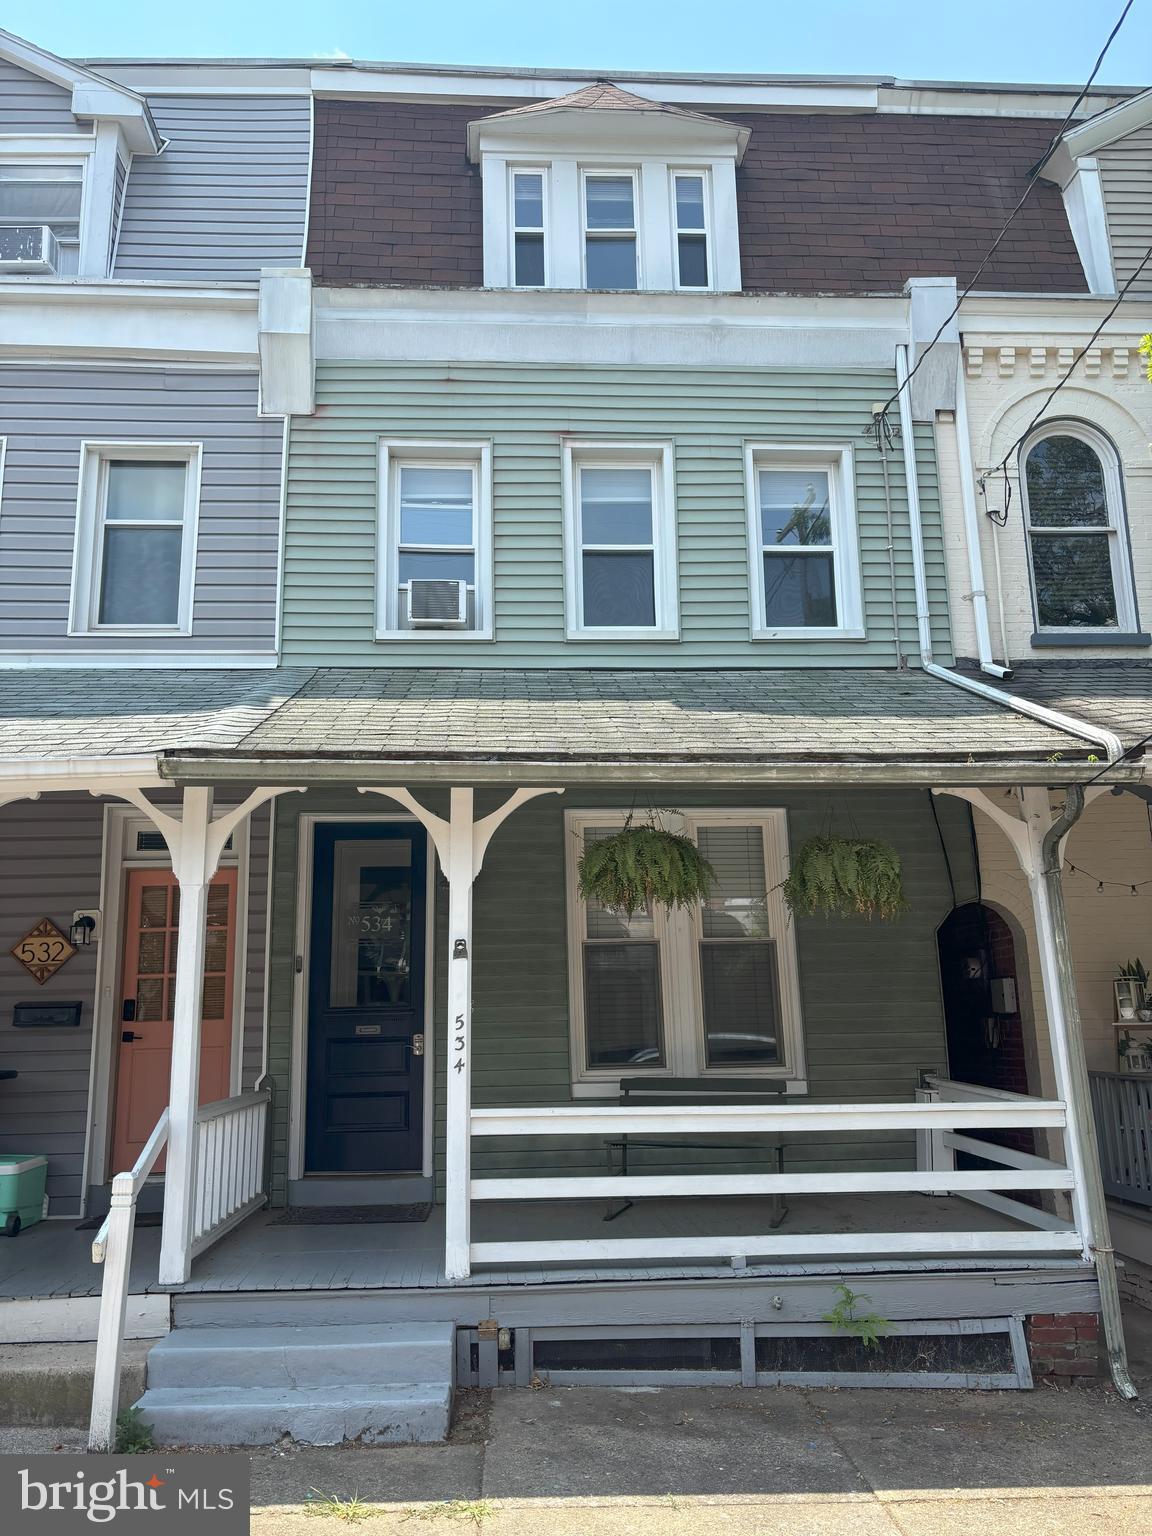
{"points": [[1126, 175]]}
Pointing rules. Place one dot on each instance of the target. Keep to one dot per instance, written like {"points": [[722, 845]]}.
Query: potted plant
{"points": [[845, 877], [1131, 989], [644, 865]]}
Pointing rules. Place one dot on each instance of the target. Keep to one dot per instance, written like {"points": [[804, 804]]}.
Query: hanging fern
{"points": [[642, 866], [845, 877]]}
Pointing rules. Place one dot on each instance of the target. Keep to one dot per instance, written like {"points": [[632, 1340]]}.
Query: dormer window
{"points": [[40, 217], [608, 191]]}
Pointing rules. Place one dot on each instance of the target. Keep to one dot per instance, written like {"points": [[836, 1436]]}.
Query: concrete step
{"points": [[288, 1357], [52, 1383], [382, 1414]]}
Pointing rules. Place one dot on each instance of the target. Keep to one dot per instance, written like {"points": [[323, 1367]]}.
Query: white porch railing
{"points": [[112, 1247], [942, 1112], [229, 1162], [1122, 1103], [229, 1183]]}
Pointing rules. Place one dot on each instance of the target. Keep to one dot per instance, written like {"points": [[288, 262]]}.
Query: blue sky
{"points": [[1041, 40]]}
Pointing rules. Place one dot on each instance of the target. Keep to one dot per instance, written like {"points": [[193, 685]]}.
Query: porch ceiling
{"points": [[393, 725]]}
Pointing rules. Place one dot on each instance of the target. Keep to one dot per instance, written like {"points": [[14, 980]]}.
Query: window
{"points": [[33, 195], [136, 537], [435, 527], [610, 245], [620, 541], [683, 994], [1077, 534], [803, 544], [529, 263], [689, 192]]}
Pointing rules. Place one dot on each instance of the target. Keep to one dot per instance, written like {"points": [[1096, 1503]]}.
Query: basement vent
{"points": [[152, 842]]}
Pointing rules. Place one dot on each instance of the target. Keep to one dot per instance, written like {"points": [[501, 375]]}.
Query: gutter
{"points": [[1108, 740]]}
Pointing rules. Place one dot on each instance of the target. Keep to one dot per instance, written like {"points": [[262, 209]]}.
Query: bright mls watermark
{"points": [[149, 1494]]}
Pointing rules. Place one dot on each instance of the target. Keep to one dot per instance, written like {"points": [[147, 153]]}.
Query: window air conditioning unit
{"points": [[436, 604], [28, 248]]}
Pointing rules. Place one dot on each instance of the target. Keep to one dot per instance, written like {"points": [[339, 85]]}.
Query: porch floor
{"points": [[53, 1259]]}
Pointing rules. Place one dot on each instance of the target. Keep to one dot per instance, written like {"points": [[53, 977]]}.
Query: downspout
{"points": [[972, 528], [1110, 742], [1080, 1097]]}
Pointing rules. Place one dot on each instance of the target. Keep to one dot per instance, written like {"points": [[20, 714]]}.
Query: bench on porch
{"points": [[677, 1091]]}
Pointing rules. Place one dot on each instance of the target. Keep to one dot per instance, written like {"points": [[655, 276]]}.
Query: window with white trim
{"points": [[529, 229], [134, 567], [711, 990], [611, 230], [803, 543], [690, 206], [1073, 497], [35, 196], [620, 541], [435, 541]]}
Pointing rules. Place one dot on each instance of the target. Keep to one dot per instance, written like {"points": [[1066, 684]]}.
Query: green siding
{"points": [[870, 991], [525, 412]]}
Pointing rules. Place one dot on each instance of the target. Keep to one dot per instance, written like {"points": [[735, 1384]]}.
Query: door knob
{"points": [[418, 1045]]}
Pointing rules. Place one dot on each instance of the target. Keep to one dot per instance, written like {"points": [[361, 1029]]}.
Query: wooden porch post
{"points": [[461, 873]]}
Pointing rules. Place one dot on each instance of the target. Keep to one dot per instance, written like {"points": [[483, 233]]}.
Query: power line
{"points": [[1033, 178]]}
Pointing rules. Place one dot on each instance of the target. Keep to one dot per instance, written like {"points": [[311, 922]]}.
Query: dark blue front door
{"points": [[366, 1000]]}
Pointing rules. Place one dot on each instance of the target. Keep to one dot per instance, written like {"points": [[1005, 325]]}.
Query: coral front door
{"points": [[148, 980]]}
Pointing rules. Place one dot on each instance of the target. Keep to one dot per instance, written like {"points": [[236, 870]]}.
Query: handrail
{"points": [[112, 1247], [138, 1173]]}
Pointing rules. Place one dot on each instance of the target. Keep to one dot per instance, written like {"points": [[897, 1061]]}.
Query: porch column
{"points": [[195, 841], [461, 843], [1038, 839]]}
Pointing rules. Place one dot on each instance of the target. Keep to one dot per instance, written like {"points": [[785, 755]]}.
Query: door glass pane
{"points": [[150, 960], [737, 904], [1073, 576], [609, 202], [611, 262], [622, 1005], [799, 590], [1065, 485], [216, 949], [619, 591], [154, 906], [794, 507], [741, 1004], [436, 506], [529, 261], [143, 491], [140, 579], [217, 906], [149, 999], [371, 923], [616, 506]]}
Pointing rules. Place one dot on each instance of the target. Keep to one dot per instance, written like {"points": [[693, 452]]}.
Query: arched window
{"points": [[1077, 534]]}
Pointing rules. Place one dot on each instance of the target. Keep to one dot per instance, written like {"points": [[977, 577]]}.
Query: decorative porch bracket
{"points": [[1038, 839], [461, 842], [195, 840]]}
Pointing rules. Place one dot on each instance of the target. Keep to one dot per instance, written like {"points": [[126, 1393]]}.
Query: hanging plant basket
{"points": [[845, 877], [642, 866]]}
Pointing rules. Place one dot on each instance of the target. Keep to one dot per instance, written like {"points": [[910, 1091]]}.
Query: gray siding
{"points": [[50, 856], [228, 195], [45, 414], [31, 104], [117, 208], [870, 991], [1126, 175]]}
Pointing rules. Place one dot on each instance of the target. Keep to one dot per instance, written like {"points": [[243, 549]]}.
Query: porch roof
{"points": [[485, 723], [1114, 694]]}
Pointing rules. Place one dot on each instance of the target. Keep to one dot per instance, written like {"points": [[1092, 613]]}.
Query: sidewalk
{"points": [[667, 1462]]}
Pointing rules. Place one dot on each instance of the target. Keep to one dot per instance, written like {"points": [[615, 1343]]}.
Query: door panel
{"points": [[148, 979], [365, 1088]]}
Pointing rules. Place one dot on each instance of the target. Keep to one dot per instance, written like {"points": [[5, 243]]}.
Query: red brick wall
{"points": [[1064, 1346], [828, 202]]}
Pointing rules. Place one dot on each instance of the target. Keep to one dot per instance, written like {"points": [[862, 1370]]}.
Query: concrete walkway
{"points": [[587, 1461]]}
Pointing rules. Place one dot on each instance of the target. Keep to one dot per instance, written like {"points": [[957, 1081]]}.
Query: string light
{"points": [[1134, 887]]}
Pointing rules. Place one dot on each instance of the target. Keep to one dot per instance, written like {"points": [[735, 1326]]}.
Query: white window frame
{"points": [[515, 229], [616, 173], [699, 172], [425, 452], [88, 554], [1119, 547], [657, 458], [678, 935], [838, 462], [97, 155]]}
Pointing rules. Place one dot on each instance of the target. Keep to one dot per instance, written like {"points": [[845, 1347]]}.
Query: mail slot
{"points": [[368, 1029]]}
